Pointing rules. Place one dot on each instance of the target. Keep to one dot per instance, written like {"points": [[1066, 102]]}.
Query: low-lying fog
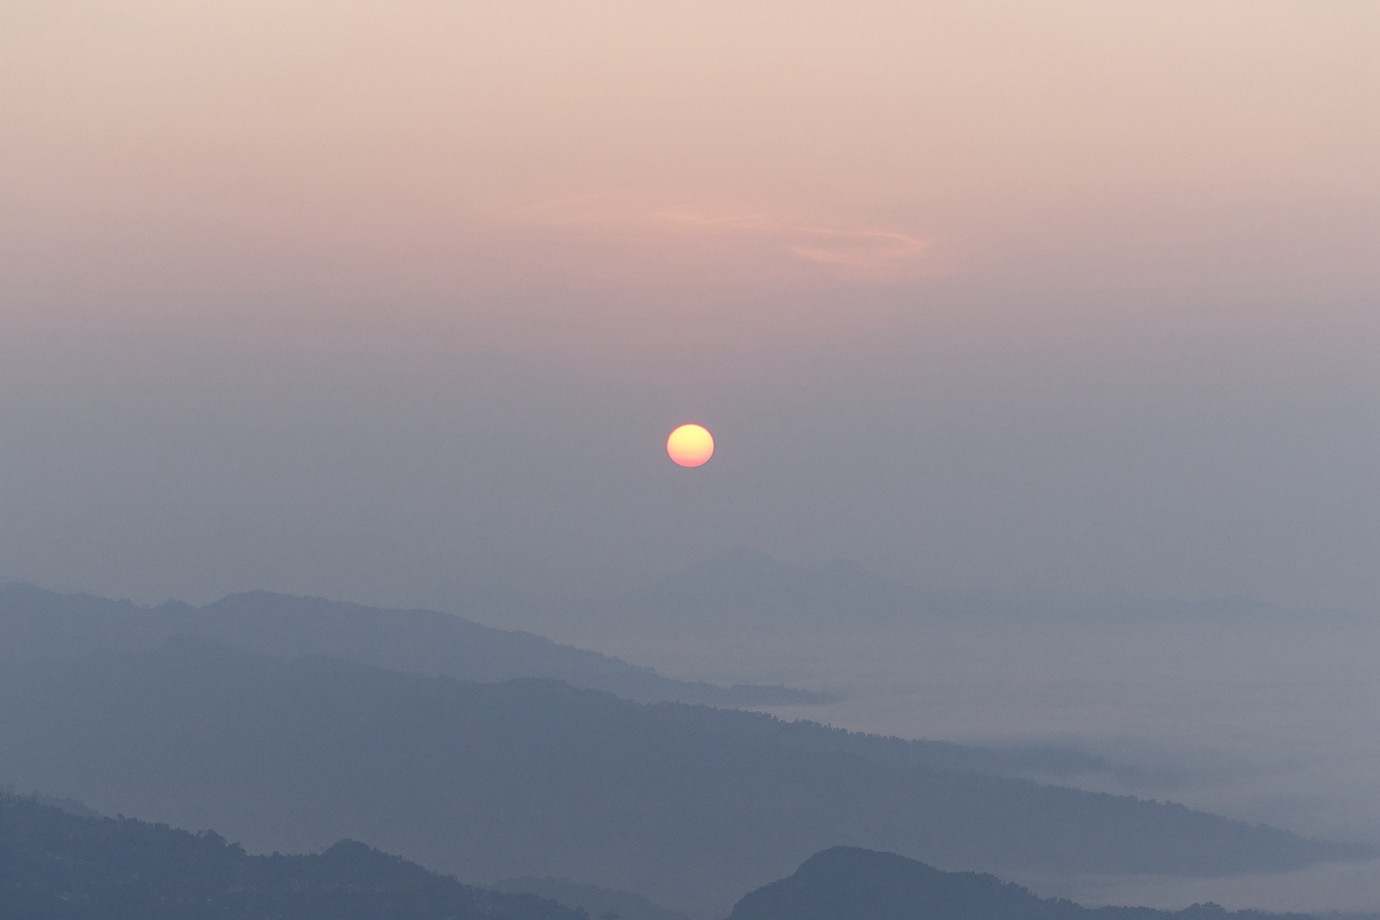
{"points": [[1266, 722]]}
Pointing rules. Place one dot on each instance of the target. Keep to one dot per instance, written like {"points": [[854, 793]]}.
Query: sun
{"points": [[690, 445]]}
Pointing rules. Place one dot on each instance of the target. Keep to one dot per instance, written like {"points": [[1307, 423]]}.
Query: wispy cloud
{"points": [[859, 248]]}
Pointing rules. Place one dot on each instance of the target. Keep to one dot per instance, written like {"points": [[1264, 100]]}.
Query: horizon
{"points": [[1074, 300], [1035, 344], [457, 591]]}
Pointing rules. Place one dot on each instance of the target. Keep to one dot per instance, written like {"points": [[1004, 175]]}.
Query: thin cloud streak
{"points": [[873, 250]]}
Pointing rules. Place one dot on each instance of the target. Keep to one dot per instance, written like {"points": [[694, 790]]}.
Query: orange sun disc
{"points": [[690, 445]]}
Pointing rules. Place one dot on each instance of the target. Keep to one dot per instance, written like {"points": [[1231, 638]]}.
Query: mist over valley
{"points": [[689, 459], [289, 723]]}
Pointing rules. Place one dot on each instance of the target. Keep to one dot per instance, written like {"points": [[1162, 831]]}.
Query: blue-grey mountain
{"points": [[686, 804], [59, 866], [850, 883], [34, 622]]}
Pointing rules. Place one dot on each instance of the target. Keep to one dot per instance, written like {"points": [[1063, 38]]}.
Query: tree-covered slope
{"points": [[59, 866], [848, 883]]}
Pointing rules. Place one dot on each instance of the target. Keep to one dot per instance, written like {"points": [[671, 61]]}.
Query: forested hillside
{"points": [[848, 883], [59, 866]]}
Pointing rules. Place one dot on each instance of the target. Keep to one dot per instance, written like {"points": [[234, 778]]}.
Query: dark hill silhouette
{"points": [[686, 804], [849, 883], [59, 866], [38, 623]]}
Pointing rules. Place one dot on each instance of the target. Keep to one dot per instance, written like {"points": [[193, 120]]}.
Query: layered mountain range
{"points": [[39, 623], [62, 866], [290, 723]]}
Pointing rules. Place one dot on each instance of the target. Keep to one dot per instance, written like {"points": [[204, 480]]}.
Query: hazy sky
{"points": [[361, 298]]}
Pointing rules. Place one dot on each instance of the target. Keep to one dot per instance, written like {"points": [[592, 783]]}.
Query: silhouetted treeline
{"points": [[59, 866], [848, 883]]}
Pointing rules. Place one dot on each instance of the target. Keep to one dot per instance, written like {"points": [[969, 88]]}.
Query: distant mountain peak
{"points": [[851, 883], [37, 623], [746, 588], [743, 563]]}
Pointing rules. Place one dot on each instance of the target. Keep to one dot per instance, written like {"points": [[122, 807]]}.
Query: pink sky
{"points": [[1142, 231], [430, 144]]}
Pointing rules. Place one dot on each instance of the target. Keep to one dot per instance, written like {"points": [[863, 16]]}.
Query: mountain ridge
{"points": [[854, 883], [60, 866], [35, 621], [688, 805]]}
